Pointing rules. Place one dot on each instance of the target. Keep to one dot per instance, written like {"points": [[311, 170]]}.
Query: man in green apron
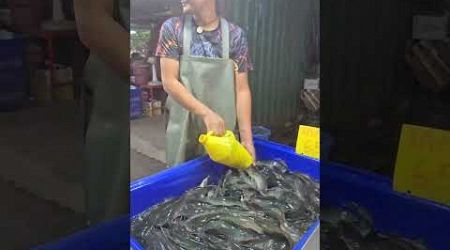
{"points": [[103, 26], [204, 68]]}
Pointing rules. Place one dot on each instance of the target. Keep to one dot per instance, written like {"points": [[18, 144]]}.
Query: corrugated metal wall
{"points": [[365, 79], [363, 73], [364, 42], [278, 39]]}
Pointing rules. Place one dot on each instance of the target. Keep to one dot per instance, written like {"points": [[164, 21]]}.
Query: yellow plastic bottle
{"points": [[226, 150]]}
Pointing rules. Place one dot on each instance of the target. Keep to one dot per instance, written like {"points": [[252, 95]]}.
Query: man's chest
{"points": [[205, 44]]}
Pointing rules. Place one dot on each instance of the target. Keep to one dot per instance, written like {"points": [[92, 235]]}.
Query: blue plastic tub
{"points": [[260, 132], [392, 212], [173, 182], [113, 235]]}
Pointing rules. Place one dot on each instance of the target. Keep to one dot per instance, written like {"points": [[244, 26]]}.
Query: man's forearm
{"points": [[104, 36], [170, 69], [244, 114]]}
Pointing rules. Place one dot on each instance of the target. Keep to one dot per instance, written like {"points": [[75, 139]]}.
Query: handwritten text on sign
{"points": [[423, 163], [308, 141]]}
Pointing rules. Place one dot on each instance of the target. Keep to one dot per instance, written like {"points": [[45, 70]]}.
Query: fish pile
{"points": [[263, 208], [351, 228]]}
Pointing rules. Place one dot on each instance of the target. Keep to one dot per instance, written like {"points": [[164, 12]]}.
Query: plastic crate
{"points": [[12, 51], [13, 89], [13, 76], [392, 212], [13, 81], [173, 182]]}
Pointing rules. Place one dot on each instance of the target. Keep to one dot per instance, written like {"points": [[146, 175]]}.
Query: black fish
{"points": [[263, 208], [350, 228]]}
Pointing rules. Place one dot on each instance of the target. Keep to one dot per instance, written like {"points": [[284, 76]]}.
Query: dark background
{"points": [[368, 90], [41, 142]]}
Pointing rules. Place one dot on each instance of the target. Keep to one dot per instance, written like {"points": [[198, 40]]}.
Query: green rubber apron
{"points": [[107, 155], [211, 81]]}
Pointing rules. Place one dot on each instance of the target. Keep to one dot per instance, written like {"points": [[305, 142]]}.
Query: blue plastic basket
{"points": [[13, 75], [154, 189], [12, 51], [392, 212]]}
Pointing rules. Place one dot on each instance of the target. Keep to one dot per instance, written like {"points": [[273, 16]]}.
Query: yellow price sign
{"points": [[423, 163], [308, 141]]}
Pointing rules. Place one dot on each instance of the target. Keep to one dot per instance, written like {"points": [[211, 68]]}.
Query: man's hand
{"points": [[250, 148], [214, 123], [170, 70]]}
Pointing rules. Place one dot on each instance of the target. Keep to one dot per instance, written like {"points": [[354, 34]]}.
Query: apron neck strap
{"points": [[225, 38], [187, 36]]}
